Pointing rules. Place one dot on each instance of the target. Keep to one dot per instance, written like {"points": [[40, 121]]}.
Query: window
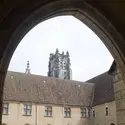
{"points": [[64, 67], [56, 73], [89, 112], [48, 111], [27, 109], [107, 113], [83, 112], [67, 112], [112, 124], [93, 114], [5, 108]]}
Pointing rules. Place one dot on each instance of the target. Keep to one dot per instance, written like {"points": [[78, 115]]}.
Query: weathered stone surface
{"points": [[120, 105], [119, 85], [121, 117], [119, 89]]}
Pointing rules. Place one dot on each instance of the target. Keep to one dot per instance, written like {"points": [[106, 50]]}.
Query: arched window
{"points": [[112, 124], [27, 124]]}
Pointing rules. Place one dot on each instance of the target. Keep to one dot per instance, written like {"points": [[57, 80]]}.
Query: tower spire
{"points": [[57, 51], [67, 53], [28, 68], [59, 65]]}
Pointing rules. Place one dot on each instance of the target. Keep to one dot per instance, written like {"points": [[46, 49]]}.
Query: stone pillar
{"points": [[2, 78], [119, 90]]}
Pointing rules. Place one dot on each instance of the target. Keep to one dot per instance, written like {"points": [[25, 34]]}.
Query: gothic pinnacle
{"points": [[28, 68]]}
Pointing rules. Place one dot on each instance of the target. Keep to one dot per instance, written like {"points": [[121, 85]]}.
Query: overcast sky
{"points": [[89, 56]]}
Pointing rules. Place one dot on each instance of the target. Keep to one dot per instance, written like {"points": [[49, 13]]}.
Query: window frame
{"points": [[48, 110], [106, 111], [27, 109], [89, 112], [93, 114], [83, 112], [6, 108], [67, 112]]}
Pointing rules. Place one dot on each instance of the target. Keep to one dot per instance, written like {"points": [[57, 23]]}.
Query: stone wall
{"points": [[100, 114], [16, 115], [119, 89]]}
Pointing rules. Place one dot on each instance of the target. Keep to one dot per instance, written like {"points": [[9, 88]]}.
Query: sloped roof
{"points": [[104, 91], [46, 90]]}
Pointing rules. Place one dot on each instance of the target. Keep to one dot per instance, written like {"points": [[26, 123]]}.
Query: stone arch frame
{"points": [[112, 124], [78, 8], [27, 124], [86, 14]]}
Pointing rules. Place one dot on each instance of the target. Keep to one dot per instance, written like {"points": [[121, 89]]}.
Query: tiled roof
{"points": [[46, 90], [104, 91]]}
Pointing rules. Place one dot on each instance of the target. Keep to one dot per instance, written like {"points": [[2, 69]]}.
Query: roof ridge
{"points": [[54, 78]]}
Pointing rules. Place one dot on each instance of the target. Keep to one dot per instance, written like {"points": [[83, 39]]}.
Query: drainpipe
{"points": [[62, 115], [36, 113]]}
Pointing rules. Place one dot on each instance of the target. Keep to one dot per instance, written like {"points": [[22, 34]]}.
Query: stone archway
{"points": [[18, 17], [112, 124], [27, 124]]}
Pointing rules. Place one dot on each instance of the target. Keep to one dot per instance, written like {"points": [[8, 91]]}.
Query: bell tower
{"points": [[59, 65]]}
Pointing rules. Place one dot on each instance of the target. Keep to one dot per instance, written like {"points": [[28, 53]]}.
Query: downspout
{"points": [[62, 115], [36, 114]]}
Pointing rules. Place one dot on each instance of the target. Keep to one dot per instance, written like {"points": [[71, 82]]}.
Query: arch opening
{"points": [[96, 22]]}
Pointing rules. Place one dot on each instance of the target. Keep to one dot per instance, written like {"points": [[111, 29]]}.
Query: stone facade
{"points": [[16, 115], [105, 114], [59, 65]]}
